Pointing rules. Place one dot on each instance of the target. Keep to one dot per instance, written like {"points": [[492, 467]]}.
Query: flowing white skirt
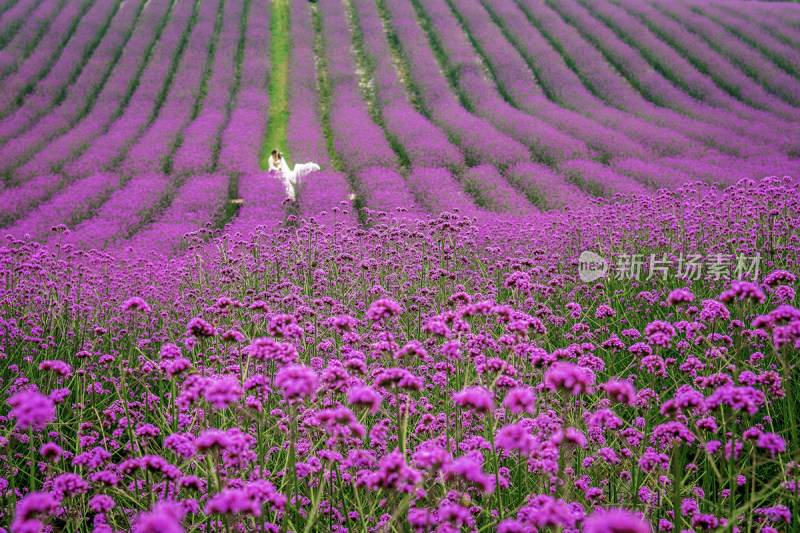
{"points": [[290, 177], [302, 169]]}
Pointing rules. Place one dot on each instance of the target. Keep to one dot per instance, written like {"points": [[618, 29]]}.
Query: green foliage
{"points": [[278, 83]]}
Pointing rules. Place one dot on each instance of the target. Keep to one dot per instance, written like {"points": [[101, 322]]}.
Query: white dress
{"points": [[290, 176]]}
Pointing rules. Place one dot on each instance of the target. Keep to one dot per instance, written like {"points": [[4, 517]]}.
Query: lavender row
{"points": [[126, 210], [565, 88], [199, 202], [12, 20], [651, 84], [108, 104], [651, 174], [679, 70], [785, 56], [706, 171], [262, 196], [357, 139], [15, 201], [201, 137], [546, 142], [304, 132], [107, 149], [775, 26], [751, 62], [786, 14], [151, 152], [48, 49], [546, 189], [723, 170], [608, 85], [66, 68], [479, 140], [76, 97], [70, 206], [389, 89], [424, 143], [243, 137], [706, 59], [656, 88], [384, 189], [521, 87], [26, 38], [325, 197], [745, 120], [439, 191], [599, 180], [493, 192]]}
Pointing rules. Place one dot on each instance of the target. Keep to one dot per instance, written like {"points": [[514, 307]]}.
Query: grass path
{"points": [[278, 84]]}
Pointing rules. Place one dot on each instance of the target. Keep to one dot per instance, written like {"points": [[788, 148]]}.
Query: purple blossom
{"points": [[233, 502], [477, 399], [198, 327], [297, 381], [268, 349], [771, 442], [163, 518], [366, 397], [569, 437], [741, 291], [221, 393], [520, 400], [615, 521], [571, 378], [677, 296], [471, 471], [32, 410], [393, 474], [382, 309], [390, 378], [620, 391]]}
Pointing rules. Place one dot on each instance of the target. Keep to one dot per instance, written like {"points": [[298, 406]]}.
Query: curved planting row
{"points": [[44, 94], [48, 47], [36, 23], [199, 143], [611, 97], [110, 101], [304, 129], [707, 59], [479, 140], [69, 104], [151, 91], [357, 140], [241, 140], [152, 151], [420, 142]]}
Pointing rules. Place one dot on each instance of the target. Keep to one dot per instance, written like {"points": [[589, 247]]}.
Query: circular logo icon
{"points": [[591, 266]]}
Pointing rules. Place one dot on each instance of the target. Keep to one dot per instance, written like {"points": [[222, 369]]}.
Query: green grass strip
{"points": [[278, 84]]}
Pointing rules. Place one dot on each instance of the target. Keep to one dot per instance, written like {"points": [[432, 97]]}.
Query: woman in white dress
{"points": [[290, 176]]}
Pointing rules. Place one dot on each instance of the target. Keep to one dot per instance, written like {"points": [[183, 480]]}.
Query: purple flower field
{"points": [[545, 280]]}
